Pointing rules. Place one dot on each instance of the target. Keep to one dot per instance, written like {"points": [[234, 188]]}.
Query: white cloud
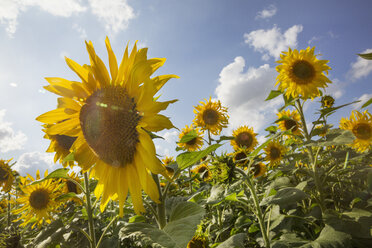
{"points": [[11, 9], [115, 14], [271, 41], [363, 99], [9, 139], [42, 91], [82, 33], [336, 88], [30, 162], [267, 13], [244, 93], [13, 84], [170, 136], [361, 67]]}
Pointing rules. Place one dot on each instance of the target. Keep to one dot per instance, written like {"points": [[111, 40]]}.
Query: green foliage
{"points": [[188, 159]]}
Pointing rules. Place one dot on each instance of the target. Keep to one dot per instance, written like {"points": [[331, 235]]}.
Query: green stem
{"points": [[9, 211], [248, 181], [89, 212], [162, 221], [312, 158], [104, 232]]}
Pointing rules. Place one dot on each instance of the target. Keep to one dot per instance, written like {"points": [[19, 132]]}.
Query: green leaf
{"points": [[136, 219], [367, 103], [69, 157], [223, 138], [176, 234], [189, 136], [152, 135], [330, 238], [369, 181], [236, 241], [217, 194], [366, 56], [66, 196], [59, 173], [285, 197], [253, 228], [51, 234], [188, 159], [231, 197], [328, 111], [273, 94]]}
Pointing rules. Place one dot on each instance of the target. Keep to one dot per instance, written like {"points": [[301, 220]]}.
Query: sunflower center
{"points": [[362, 131], [303, 70], [244, 139], [71, 187], [3, 175], [202, 169], [274, 153], [256, 169], [240, 156], [65, 141], [210, 116], [108, 121], [289, 124], [191, 142], [39, 199]]}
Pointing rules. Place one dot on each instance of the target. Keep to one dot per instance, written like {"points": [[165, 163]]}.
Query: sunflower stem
{"points": [[92, 233], [249, 182], [9, 216], [311, 155], [162, 221], [106, 228]]}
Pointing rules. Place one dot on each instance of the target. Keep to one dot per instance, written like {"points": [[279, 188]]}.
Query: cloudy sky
{"points": [[221, 49]]}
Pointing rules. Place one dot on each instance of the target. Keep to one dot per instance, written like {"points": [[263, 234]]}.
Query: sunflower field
{"points": [[309, 184]]}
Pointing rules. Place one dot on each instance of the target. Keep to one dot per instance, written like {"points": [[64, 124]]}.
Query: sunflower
{"points": [[301, 73], [258, 169], [211, 116], [274, 152], [360, 124], [39, 201], [204, 171], [167, 161], [61, 145], [3, 206], [322, 130], [245, 138], [70, 187], [111, 118], [239, 155], [291, 121], [327, 101], [6, 175], [193, 144], [198, 241]]}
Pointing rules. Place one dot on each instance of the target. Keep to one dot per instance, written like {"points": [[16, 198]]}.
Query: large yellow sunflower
{"points": [[360, 124], [194, 144], [110, 117], [301, 73], [274, 152], [211, 116], [38, 201], [245, 138], [61, 145], [6, 175], [292, 123]]}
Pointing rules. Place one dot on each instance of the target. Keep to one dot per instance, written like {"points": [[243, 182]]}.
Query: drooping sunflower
{"points": [[245, 138], [6, 175], [258, 169], [238, 157], [274, 152], [3, 206], [193, 144], [111, 117], [61, 145], [301, 74], [211, 116], [321, 129], [38, 201], [198, 241], [204, 171], [360, 124], [327, 101], [167, 161], [70, 187], [292, 123]]}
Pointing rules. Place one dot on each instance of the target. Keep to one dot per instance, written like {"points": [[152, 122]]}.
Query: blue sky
{"points": [[223, 49]]}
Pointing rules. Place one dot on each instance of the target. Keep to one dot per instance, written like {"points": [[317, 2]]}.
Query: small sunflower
{"points": [[39, 201], [245, 138], [322, 129], [167, 161], [193, 144], [61, 145], [301, 73], [204, 171], [198, 241], [238, 157], [258, 169], [274, 152], [360, 124], [6, 175], [292, 123], [110, 112], [299, 164], [211, 116], [327, 101], [70, 187], [3, 206]]}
